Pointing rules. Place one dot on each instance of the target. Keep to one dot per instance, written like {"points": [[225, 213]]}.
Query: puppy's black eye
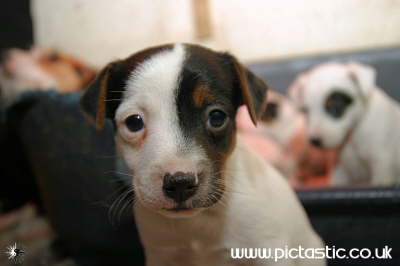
{"points": [[216, 119], [134, 123], [337, 103], [271, 112]]}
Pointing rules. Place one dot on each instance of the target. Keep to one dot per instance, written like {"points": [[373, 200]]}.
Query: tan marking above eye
{"points": [[201, 95]]}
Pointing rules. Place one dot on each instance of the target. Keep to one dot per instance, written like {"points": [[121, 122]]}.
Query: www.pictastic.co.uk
{"points": [[311, 253]]}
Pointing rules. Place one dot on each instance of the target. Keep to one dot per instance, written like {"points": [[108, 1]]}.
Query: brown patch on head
{"points": [[70, 73], [201, 96]]}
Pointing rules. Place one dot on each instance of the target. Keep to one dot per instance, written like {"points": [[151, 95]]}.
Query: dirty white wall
{"points": [[268, 29], [100, 30]]}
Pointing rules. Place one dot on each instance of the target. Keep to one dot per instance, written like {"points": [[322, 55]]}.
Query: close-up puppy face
{"points": [[174, 110], [333, 98], [42, 69]]}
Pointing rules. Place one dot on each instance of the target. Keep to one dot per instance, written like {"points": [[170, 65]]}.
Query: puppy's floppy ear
{"points": [[253, 90], [364, 76], [94, 101]]}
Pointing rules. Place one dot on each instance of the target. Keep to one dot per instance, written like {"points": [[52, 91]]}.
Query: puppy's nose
{"points": [[179, 186], [316, 142]]}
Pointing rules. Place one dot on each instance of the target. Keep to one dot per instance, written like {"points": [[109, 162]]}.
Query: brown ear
{"points": [[253, 90], [94, 100]]}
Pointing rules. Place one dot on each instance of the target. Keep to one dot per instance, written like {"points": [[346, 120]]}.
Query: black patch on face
{"points": [[271, 112], [205, 67], [337, 103], [210, 69]]}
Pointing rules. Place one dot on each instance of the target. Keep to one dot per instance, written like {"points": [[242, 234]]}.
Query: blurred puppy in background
{"points": [[41, 69], [280, 138], [346, 110]]}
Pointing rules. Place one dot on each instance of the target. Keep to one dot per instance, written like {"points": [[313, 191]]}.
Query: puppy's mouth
{"points": [[181, 210], [187, 208], [184, 206], [180, 207]]}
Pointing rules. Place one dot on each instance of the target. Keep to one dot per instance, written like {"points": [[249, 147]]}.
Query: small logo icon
{"points": [[14, 253]]}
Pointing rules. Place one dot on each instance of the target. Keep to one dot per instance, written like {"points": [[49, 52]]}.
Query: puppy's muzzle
{"points": [[179, 186]]}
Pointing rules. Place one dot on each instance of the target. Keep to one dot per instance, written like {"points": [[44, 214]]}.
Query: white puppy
{"points": [[199, 191], [347, 111]]}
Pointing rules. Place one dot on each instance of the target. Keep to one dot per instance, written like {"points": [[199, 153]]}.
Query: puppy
{"points": [[346, 110], [199, 191], [41, 69], [295, 157]]}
